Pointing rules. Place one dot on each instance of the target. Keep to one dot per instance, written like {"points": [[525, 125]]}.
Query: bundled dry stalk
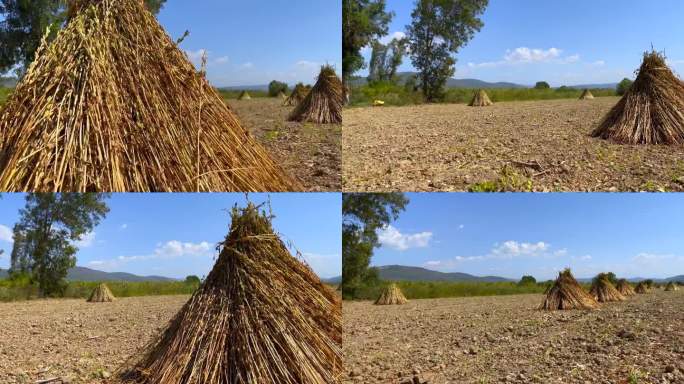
{"points": [[480, 99], [566, 293], [652, 110], [113, 104], [671, 287], [261, 316], [298, 94], [282, 95], [586, 95], [641, 288], [244, 95], [101, 294], [323, 105], [604, 291], [625, 288], [391, 295]]}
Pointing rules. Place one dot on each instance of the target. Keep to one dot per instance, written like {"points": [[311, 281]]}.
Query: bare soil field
{"points": [[77, 341], [535, 145], [505, 339], [310, 152]]}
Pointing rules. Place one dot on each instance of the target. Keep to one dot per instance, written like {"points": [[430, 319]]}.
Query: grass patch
{"points": [[4, 94], [443, 289], [18, 291], [232, 94], [509, 181], [398, 95]]}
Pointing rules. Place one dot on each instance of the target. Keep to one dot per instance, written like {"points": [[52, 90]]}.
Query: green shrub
{"points": [[442, 289], [624, 86], [275, 87], [542, 85]]}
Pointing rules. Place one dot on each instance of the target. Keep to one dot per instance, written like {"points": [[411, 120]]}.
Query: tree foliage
{"points": [[362, 215], [45, 236], [542, 85], [438, 30], [527, 280], [363, 21], [624, 86], [275, 87], [192, 279], [386, 59], [25, 24]]}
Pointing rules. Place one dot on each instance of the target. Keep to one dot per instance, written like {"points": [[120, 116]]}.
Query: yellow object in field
{"points": [[377, 103]]}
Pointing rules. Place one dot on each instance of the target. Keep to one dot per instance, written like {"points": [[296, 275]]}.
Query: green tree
{"points": [[27, 21], [624, 86], [275, 87], [439, 28], [193, 280], [386, 59], [363, 21], [362, 215], [45, 236], [542, 85], [527, 280]]}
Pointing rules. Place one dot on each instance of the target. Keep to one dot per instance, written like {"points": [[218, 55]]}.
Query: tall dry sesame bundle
{"points": [[391, 295], [566, 293], [586, 95], [261, 316], [652, 110], [671, 287], [480, 99], [604, 291], [244, 95], [323, 104], [298, 94], [625, 288], [113, 104], [641, 288], [101, 294]]}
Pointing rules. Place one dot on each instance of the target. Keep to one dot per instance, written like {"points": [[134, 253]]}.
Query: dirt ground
{"points": [[310, 152], [537, 145], [506, 340], [77, 341]]}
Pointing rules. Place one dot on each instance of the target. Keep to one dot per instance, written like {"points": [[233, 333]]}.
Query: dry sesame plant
{"points": [[101, 294], [391, 295], [323, 105], [480, 99], [113, 104], [298, 94], [586, 95], [652, 110], [625, 288], [566, 293], [604, 291], [261, 316]]}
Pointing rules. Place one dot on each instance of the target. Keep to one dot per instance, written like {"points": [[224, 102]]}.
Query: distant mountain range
{"points": [[8, 82], [333, 280], [87, 274], [404, 273], [479, 84]]}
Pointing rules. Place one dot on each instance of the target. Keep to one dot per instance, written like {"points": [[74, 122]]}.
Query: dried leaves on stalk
{"points": [[113, 104], [625, 288], [671, 287], [323, 105], [261, 316], [391, 295], [566, 293], [652, 110], [586, 95], [298, 94]]}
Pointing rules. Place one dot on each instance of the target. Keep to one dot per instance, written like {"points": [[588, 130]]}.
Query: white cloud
{"points": [[525, 55], [599, 63], [173, 249], [123, 226], [461, 226], [196, 58], [396, 35], [247, 65], [6, 234], [222, 60], [582, 258], [325, 265], [510, 249], [391, 237], [560, 252], [86, 240]]}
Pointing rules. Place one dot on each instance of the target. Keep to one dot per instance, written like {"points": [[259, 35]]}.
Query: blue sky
{"points": [[564, 42], [254, 42], [175, 235], [510, 235]]}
